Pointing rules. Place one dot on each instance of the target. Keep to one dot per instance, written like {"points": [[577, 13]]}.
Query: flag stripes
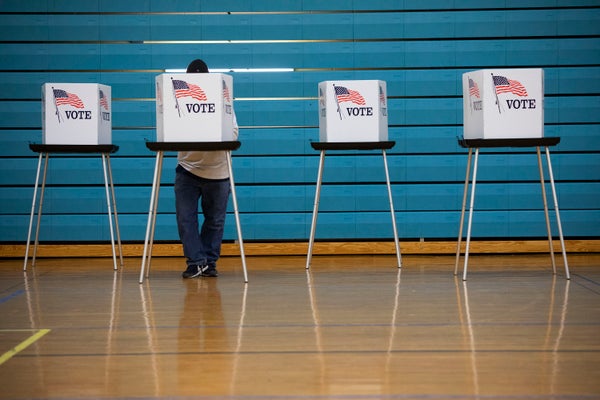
{"points": [[505, 85], [183, 89]]}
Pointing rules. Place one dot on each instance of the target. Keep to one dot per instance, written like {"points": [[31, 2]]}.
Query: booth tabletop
{"points": [[194, 146], [73, 148], [514, 142], [386, 145]]}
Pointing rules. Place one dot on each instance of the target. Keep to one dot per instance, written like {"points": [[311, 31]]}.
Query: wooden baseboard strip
{"points": [[299, 249]]}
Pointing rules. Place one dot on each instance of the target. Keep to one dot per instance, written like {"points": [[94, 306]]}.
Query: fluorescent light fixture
{"points": [[255, 70], [176, 70]]}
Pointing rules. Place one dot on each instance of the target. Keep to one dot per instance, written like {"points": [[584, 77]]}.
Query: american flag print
{"points": [[505, 85], [344, 94], [381, 96], [183, 89], [473, 88], [103, 101], [62, 97], [226, 94]]}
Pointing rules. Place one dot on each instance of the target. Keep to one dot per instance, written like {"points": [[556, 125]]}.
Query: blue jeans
{"points": [[200, 246]]}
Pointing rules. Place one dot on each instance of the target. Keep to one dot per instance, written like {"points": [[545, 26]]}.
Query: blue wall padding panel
{"points": [[421, 49]]}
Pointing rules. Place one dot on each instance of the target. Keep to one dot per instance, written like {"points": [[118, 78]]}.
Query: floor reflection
{"points": [[479, 315], [202, 331], [351, 327], [376, 374]]}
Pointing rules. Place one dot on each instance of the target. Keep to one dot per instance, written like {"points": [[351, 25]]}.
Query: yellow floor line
{"points": [[23, 345]]}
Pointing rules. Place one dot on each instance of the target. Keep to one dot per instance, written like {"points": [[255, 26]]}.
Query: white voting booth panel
{"points": [[76, 114], [503, 103], [194, 107], [353, 111]]}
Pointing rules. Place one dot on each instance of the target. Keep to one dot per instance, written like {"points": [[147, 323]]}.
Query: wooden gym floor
{"points": [[351, 328]]}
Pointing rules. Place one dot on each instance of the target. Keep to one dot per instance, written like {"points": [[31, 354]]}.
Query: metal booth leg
{"points": [[40, 207], [560, 232], [153, 229], [545, 200], [109, 208], [462, 211], [389, 188], [237, 216], [35, 189], [470, 223], [313, 226], [148, 242], [114, 204]]}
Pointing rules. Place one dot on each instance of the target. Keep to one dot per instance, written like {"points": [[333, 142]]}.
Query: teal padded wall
{"points": [[420, 48]]}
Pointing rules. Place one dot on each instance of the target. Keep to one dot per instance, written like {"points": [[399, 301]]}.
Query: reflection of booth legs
{"points": [[335, 329], [151, 334], [390, 349], [488, 324], [317, 322], [465, 319], [561, 329], [238, 346]]}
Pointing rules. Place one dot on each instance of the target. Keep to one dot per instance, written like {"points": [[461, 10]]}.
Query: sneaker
{"points": [[209, 271], [192, 271]]}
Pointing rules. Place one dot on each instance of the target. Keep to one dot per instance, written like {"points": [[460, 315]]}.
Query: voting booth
{"points": [[353, 115], [503, 103], [76, 114], [505, 108], [353, 111], [76, 119], [194, 107]]}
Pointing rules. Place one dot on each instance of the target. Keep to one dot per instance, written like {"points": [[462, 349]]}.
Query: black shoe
{"points": [[192, 271], [209, 271]]}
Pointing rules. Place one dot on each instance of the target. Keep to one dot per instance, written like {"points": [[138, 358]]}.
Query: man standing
{"points": [[202, 178]]}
